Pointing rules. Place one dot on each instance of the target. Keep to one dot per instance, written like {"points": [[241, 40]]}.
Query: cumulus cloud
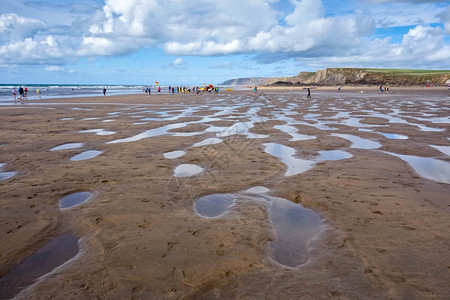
{"points": [[54, 68], [223, 27], [177, 63], [16, 28], [444, 17]]}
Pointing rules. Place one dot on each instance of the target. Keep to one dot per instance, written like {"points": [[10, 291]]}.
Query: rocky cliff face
{"points": [[341, 76]]}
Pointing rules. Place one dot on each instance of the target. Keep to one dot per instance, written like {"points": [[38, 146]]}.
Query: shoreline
{"points": [[142, 237]]}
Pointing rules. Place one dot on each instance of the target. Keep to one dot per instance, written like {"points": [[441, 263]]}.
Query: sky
{"points": [[185, 42]]}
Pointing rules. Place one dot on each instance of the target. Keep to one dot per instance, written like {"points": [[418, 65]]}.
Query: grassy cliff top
{"points": [[406, 71]]}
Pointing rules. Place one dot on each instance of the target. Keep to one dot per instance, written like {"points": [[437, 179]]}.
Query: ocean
{"points": [[49, 91]]}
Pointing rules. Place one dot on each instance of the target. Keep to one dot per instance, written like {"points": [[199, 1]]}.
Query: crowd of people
{"points": [[22, 93], [181, 89]]}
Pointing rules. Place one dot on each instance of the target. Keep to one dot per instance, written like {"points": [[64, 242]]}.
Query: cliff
{"points": [[349, 76]]}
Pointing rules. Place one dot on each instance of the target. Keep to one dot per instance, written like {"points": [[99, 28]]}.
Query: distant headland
{"points": [[352, 76]]}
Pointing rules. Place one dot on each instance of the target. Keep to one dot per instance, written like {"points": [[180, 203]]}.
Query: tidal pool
{"points": [[86, 155], [5, 175], [286, 155], [174, 154], [213, 206], [293, 132], [333, 155], [357, 142], [149, 133], [443, 149], [55, 253], [393, 136], [98, 131], [186, 170], [427, 167], [295, 229], [74, 199], [67, 146], [208, 141]]}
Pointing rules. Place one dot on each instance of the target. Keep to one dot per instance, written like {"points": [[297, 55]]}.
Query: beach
{"points": [[373, 166]]}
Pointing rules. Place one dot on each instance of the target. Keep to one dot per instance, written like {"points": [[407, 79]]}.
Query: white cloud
{"points": [[16, 28], [54, 68], [444, 17], [178, 61], [222, 27]]}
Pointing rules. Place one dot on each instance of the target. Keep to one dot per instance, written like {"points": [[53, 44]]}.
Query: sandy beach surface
{"points": [[382, 194]]}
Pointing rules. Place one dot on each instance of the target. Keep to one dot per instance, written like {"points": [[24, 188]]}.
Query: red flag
{"points": [[156, 82]]}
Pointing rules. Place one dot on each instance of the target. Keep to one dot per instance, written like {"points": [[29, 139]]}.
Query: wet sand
{"points": [[386, 231]]}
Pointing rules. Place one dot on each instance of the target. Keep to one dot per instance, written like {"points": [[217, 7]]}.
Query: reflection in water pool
{"points": [[187, 170], [443, 149], [430, 168], [213, 205], [357, 142], [174, 154], [296, 227], [208, 141], [86, 155], [333, 155], [286, 155], [55, 253], [98, 131], [74, 199], [5, 175], [67, 146]]}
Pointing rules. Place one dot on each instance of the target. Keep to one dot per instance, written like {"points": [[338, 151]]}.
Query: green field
{"points": [[407, 71]]}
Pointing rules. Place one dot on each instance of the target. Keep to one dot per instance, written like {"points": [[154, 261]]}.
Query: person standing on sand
{"points": [[308, 96], [255, 90], [14, 94], [20, 93], [104, 91]]}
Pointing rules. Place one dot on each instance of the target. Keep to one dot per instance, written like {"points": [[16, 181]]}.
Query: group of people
{"points": [[22, 93], [181, 89], [383, 89]]}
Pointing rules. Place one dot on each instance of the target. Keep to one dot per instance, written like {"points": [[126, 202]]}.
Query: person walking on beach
{"points": [[20, 93], [255, 90], [104, 91], [308, 96], [14, 94]]}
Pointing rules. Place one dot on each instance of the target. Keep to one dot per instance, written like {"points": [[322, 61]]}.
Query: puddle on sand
{"points": [[187, 170], [149, 133], [293, 131], [55, 253], [5, 175], [174, 154], [429, 168], [443, 149], [286, 155], [213, 206], [295, 228], [333, 155], [391, 136], [357, 142], [98, 131], [207, 142], [74, 199], [67, 146], [86, 155]]}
